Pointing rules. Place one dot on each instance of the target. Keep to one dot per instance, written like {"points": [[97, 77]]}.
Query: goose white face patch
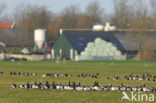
{"points": [[137, 97]]}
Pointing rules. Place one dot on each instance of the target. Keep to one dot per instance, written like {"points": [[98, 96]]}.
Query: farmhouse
{"points": [[73, 42]]}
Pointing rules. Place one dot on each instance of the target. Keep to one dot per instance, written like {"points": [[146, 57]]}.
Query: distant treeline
{"points": [[128, 14]]}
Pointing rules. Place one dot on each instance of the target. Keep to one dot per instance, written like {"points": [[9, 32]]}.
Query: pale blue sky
{"points": [[57, 5]]}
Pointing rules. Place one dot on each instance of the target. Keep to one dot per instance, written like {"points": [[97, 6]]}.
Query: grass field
{"points": [[105, 68]]}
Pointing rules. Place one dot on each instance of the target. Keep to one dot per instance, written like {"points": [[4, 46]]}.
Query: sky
{"points": [[57, 5]]}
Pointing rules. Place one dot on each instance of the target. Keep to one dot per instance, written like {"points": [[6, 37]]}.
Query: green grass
{"points": [[105, 68]]}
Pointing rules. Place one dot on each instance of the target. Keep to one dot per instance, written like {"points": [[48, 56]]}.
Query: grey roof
{"points": [[79, 38], [130, 40]]}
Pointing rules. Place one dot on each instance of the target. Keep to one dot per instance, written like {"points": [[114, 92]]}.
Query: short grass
{"points": [[105, 68]]}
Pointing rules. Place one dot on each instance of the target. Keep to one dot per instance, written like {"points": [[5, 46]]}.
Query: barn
{"points": [[72, 42]]}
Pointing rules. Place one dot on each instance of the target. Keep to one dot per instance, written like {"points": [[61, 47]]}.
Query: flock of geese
{"points": [[25, 74], [145, 76], [79, 87], [87, 75], [56, 75], [130, 77]]}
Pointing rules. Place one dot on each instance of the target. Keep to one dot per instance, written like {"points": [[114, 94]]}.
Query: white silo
{"points": [[39, 38]]}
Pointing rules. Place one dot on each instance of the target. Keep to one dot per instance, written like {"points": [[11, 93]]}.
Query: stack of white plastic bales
{"points": [[100, 50]]}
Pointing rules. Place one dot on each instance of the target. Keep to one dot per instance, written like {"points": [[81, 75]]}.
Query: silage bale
{"points": [[83, 53], [111, 53], [88, 53], [113, 48], [90, 44], [102, 46], [107, 49], [98, 41], [94, 49], [101, 49], [109, 44], [99, 54], [117, 53], [103, 43], [98, 49], [88, 49], [83, 57], [105, 54], [93, 54]]}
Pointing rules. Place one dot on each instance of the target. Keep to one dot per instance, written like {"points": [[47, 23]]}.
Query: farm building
{"points": [[73, 42], [2, 48]]}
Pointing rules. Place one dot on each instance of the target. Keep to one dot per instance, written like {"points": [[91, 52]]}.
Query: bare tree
{"points": [[153, 12], [153, 7], [149, 50], [140, 29], [141, 24], [69, 17], [123, 13], [3, 35], [2, 7], [139, 9], [54, 28], [83, 22], [28, 19], [95, 12]]}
